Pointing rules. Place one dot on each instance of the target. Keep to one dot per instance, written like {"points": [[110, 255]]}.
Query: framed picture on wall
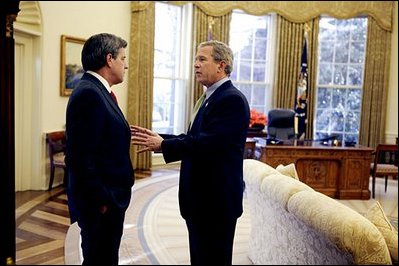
{"points": [[71, 66]]}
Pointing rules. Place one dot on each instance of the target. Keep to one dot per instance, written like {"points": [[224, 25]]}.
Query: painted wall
{"points": [[78, 19]]}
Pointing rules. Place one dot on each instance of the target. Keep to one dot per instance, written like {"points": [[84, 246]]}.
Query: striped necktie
{"points": [[114, 97], [197, 106]]}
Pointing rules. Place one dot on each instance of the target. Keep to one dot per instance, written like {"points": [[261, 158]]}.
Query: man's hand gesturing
{"points": [[145, 137]]}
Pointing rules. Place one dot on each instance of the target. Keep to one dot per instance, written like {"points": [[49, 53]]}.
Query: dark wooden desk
{"points": [[336, 171], [256, 134]]}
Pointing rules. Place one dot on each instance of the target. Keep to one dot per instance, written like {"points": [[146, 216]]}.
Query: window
{"points": [[171, 67], [341, 56], [253, 43]]}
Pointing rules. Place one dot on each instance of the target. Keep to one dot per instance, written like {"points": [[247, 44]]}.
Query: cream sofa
{"points": [[293, 224]]}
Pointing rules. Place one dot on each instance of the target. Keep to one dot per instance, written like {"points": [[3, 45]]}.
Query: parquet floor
{"points": [[42, 218], [42, 221]]}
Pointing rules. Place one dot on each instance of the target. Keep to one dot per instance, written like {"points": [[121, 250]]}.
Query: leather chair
{"points": [[385, 164], [281, 124], [56, 147]]}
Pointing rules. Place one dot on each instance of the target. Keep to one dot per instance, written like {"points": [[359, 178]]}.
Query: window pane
{"points": [[323, 98], [246, 52], [259, 71], [327, 29], [354, 99], [359, 29], [326, 53], [325, 74], [341, 52], [352, 122], [167, 38], [246, 90], [245, 70], [169, 80], [162, 112], [355, 76], [252, 43], [339, 83], [343, 29], [323, 120], [337, 121], [338, 99], [260, 49], [340, 74]]}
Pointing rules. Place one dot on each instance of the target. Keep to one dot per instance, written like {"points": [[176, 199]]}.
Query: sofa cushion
{"points": [[348, 229], [288, 170], [282, 187], [377, 216], [255, 171]]}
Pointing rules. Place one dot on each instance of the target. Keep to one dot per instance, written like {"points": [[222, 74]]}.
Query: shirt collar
{"points": [[101, 79], [211, 89]]}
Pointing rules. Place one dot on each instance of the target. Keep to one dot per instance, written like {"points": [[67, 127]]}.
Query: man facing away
{"points": [[97, 152], [211, 153]]}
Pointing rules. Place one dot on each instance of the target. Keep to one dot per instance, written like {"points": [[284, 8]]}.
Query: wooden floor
{"points": [[42, 221], [42, 218]]}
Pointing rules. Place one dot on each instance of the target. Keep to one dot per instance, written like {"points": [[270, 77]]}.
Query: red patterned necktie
{"points": [[114, 97]]}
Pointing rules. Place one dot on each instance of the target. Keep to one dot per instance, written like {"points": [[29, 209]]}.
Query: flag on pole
{"points": [[210, 25], [301, 99]]}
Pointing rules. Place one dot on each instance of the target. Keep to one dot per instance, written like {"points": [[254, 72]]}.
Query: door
{"points": [[23, 111]]}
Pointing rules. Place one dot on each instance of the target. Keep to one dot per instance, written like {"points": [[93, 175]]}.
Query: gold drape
{"points": [[302, 11], [290, 36], [375, 85], [313, 37], [141, 65], [217, 26]]}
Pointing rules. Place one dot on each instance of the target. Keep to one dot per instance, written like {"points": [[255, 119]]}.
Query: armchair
{"points": [[56, 147], [385, 164]]}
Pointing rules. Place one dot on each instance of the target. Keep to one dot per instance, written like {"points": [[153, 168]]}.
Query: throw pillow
{"points": [[288, 170], [255, 171], [377, 216]]}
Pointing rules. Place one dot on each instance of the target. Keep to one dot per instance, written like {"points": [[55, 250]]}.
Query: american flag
{"points": [[301, 99]]}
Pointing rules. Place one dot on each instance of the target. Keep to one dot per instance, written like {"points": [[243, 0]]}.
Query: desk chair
{"points": [[56, 147], [385, 164], [281, 124]]}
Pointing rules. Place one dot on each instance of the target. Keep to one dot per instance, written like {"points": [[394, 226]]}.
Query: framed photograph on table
{"points": [[71, 66]]}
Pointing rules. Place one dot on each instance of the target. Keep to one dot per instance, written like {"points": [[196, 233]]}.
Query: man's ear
{"points": [[109, 60], [222, 65]]}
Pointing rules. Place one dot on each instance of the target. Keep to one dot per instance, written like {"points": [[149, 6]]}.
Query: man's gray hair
{"points": [[221, 52], [97, 47]]}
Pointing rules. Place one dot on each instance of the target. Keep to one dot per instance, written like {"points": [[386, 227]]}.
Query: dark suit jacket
{"points": [[97, 150], [211, 174]]}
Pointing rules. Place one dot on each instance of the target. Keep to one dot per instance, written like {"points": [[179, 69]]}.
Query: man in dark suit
{"points": [[211, 153], [97, 152]]}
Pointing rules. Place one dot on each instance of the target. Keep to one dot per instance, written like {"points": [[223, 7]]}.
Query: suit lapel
{"points": [[198, 118], [107, 96]]}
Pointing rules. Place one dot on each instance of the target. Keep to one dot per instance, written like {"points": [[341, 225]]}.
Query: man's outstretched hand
{"points": [[145, 137]]}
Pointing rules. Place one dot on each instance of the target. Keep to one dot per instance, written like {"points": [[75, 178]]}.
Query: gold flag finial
{"points": [[211, 22], [307, 30]]}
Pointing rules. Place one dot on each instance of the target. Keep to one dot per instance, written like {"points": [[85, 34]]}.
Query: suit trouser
{"points": [[101, 237], [211, 242]]}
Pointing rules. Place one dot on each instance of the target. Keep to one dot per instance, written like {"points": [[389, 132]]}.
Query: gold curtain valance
{"points": [[296, 11], [139, 5]]}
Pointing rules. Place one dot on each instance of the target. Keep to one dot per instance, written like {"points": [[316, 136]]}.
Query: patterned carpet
{"points": [[155, 233]]}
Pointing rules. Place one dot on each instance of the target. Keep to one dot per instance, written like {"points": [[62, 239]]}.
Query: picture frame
{"points": [[71, 66]]}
